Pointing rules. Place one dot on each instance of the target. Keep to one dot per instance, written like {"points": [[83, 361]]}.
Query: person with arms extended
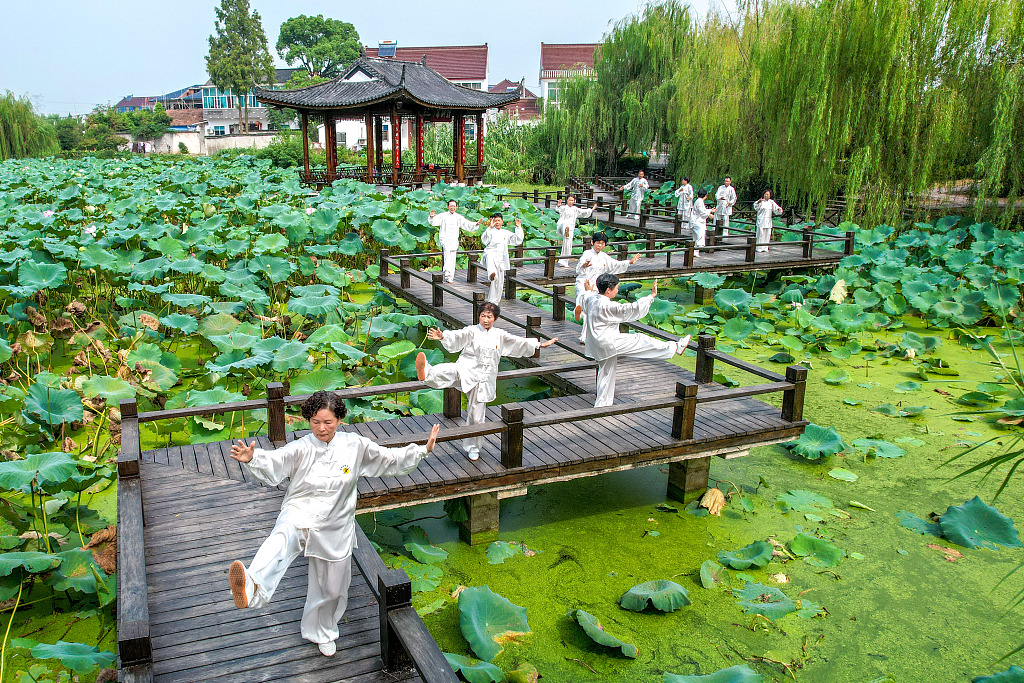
{"points": [[699, 220], [725, 197], [684, 193], [765, 208], [568, 214], [450, 225], [638, 186], [317, 516], [593, 263], [496, 241]]}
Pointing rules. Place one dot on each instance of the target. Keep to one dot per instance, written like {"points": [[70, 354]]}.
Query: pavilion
{"points": [[377, 89]]}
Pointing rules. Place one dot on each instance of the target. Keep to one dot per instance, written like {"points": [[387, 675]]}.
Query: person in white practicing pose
{"points": [[475, 373], [567, 217], [699, 220], [639, 186], [451, 224], [766, 208], [725, 197], [604, 342], [497, 240], [685, 201], [593, 263], [317, 516]]}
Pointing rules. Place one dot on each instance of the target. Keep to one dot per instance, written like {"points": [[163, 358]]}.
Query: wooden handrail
{"points": [[134, 645]]}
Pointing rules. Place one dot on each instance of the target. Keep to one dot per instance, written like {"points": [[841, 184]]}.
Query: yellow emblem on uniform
{"points": [[344, 470]]}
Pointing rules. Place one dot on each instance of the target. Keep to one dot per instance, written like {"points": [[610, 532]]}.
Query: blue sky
{"points": [[70, 56]]}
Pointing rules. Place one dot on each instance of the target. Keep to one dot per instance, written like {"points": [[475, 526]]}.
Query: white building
{"points": [[221, 113], [563, 60]]}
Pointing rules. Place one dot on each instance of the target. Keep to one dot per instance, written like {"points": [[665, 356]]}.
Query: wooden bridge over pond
{"points": [[186, 511]]}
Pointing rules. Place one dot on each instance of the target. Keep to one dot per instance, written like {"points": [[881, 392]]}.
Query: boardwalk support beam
{"points": [[479, 298], [275, 413], [482, 523], [394, 592], [436, 280], [510, 284], [793, 399], [705, 368], [688, 479], [452, 403], [512, 438], [558, 302]]}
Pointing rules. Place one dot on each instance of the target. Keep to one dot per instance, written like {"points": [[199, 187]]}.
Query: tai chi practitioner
{"points": [[604, 342], [766, 208], [451, 224], [699, 220], [684, 193], [317, 516], [475, 373], [567, 217], [638, 186], [497, 240], [725, 198], [593, 263]]}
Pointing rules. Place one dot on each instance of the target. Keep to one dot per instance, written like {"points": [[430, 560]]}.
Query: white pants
{"points": [[634, 206], [566, 242], [723, 220], [327, 590], [650, 348], [699, 233], [448, 261], [446, 375], [496, 287], [764, 234]]}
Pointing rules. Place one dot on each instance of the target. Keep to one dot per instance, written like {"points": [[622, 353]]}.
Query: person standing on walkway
{"points": [[638, 186], [725, 197], [475, 373], [604, 342], [450, 226], [593, 263], [699, 220], [567, 217], [317, 516], [496, 241], [765, 208], [684, 203]]}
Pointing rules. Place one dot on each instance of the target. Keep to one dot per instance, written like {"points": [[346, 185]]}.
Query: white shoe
{"points": [[681, 344], [328, 649], [473, 453]]}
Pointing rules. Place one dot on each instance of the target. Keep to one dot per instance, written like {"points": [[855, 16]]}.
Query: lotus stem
{"points": [[46, 528], [3, 648], [77, 522]]}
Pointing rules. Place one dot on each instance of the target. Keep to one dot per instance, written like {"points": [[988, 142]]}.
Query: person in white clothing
{"points": [[765, 208], [699, 220], [497, 240], [451, 224], [475, 373], [317, 516], [638, 186], [567, 217], [604, 342], [684, 193], [725, 197], [593, 263]]}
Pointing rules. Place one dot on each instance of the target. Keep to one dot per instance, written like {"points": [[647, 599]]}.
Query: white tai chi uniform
{"points": [[567, 216], [726, 197], [605, 344], [496, 243], [450, 224], [765, 211], [685, 203], [699, 223], [318, 518], [475, 373], [639, 186], [600, 263]]}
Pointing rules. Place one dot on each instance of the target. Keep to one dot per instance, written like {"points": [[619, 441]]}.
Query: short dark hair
{"points": [[492, 307], [453, 200], [701, 193], [606, 281], [686, 178], [728, 177], [640, 171], [321, 400], [599, 237]]}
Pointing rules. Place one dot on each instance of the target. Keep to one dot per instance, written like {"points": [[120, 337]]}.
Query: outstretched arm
{"points": [[270, 467], [379, 461]]}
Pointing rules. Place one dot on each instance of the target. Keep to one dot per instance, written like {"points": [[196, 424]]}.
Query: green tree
{"points": [[69, 131], [239, 57], [23, 133], [322, 46], [280, 118], [145, 124]]}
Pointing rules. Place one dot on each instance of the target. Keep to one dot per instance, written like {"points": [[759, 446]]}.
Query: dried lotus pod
{"points": [[713, 500]]}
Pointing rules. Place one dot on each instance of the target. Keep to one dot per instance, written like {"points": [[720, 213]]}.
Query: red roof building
{"points": [[461, 64], [528, 106], [562, 60]]}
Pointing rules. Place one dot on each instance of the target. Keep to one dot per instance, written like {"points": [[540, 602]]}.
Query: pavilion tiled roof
{"points": [[557, 59], [454, 62], [389, 79]]}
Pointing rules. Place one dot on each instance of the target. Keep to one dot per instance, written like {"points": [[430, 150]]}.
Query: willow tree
{"points": [[23, 133]]}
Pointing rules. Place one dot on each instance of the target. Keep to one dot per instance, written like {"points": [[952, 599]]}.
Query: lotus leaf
{"points": [[218, 324], [419, 545], [291, 355], [741, 673], [904, 387], [782, 358], [836, 377], [817, 441], [270, 244], [211, 397], [36, 276], [713, 574], [1014, 674], [978, 525], [185, 324], [499, 551], [474, 670], [816, 551], [737, 329], [327, 333], [732, 299], [78, 657], [53, 406], [1001, 298], [915, 523], [878, 448], [392, 352], [78, 571], [112, 389], [318, 380], [314, 305], [428, 400], [756, 598], [524, 673], [595, 630], [666, 596], [805, 501], [842, 475], [488, 621], [757, 554]]}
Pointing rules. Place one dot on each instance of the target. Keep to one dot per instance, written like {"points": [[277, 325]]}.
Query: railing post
{"points": [[394, 592], [668, 258], [512, 437], [510, 283], [683, 416], [471, 273], [709, 236], [536, 195], [532, 323], [520, 251], [643, 218], [688, 256], [478, 300], [588, 242], [549, 262], [131, 444], [558, 302], [751, 249], [275, 413], [452, 402], [808, 240], [611, 212], [705, 369], [650, 244], [850, 236], [623, 252], [547, 201], [384, 265], [436, 280], [677, 225], [793, 399], [405, 283]]}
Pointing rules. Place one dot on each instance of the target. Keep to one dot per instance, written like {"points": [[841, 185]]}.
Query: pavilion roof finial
{"points": [[402, 82], [423, 59]]}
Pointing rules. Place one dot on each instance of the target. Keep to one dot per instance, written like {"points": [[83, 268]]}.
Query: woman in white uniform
{"points": [[638, 186], [765, 208], [726, 197], [475, 373], [699, 220], [593, 263], [567, 217], [684, 204], [317, 516], [496, 241], [450, 226]]}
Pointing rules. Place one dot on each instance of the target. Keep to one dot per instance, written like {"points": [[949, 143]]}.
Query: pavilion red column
{"points": [[396, 146], [419, 145], [330, 147], [369, 148], [459, 146], [480, 142], [305, 144], [378, 132]]}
